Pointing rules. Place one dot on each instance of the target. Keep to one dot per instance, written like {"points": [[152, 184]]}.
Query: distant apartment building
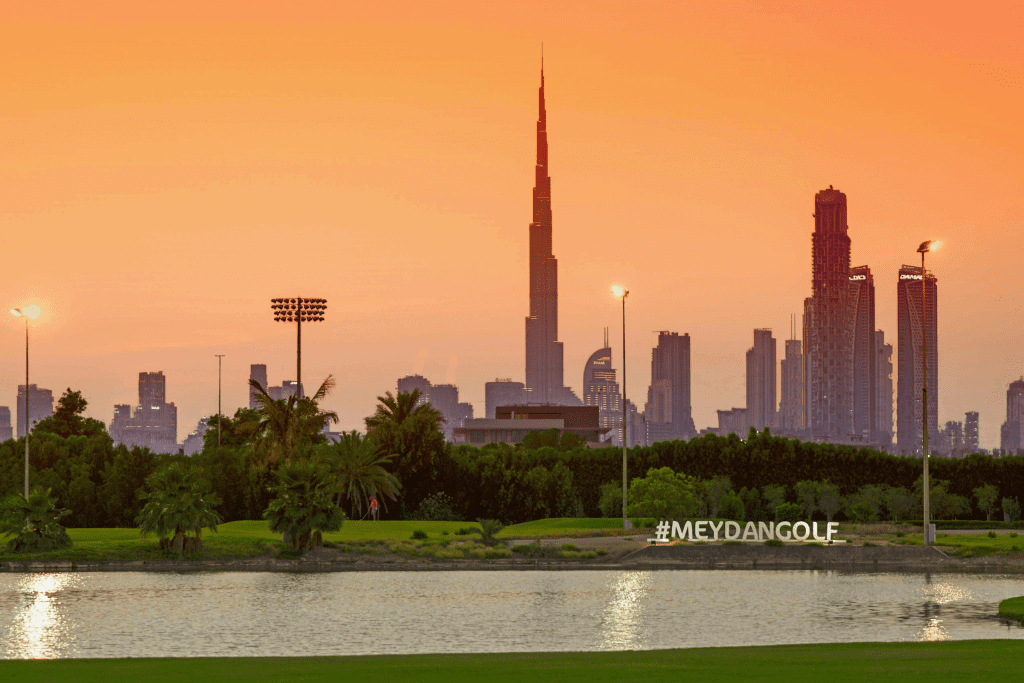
{"points": [[502, 392], [258, 372], [971, 433], [1011, 434], [442, 397], [40, 406], [287, 389], [913, 331], [6, 430], [601, 389], [733, 422], [865, 355], [154, 422], [950, 441], [761, 380], [668, 397], [884, 393], [193, 443]]}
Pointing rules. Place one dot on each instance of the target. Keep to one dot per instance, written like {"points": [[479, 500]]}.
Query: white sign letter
{"points": [[698, 530], [815, 534], [714, 529], [732, 531], [803, 536], [751, 530], [830, 529], [765, 532], [778, 531]]}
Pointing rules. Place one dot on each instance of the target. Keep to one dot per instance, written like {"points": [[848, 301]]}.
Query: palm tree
{"points": [[179, 503], [284, 424], [359, 471], [304, 509], [396, 410]]}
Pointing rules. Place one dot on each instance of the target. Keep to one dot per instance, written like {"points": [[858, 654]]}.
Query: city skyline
{"points": [[648, 188]]}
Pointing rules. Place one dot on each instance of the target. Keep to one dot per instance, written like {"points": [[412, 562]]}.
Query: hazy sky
{"points": [[166, 172]]}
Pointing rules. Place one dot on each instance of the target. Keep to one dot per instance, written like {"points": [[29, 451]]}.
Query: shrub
{"points": [[489, 529], [451, 553], [900, 534], [734, 543], [466, 531], [991, 534], [34, 524], [1011, 510], [610, 502], [662, 494], [444, 533], [774, 542], [344, 548], [570, 546], [179, 506], [290, 553], [1013, 534], [438, 507], [863, 513], [731, 507], [419, 534], [497, 553], [788, 512]]}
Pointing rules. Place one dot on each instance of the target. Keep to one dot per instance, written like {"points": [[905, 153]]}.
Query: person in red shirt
{"points": [[373, 507]]}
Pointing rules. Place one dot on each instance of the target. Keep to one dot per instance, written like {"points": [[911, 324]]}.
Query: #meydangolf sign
{"points": [[710, 530]]}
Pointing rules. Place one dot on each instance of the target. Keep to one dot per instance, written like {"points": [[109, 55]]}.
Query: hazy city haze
{"points": [[169, 171]]}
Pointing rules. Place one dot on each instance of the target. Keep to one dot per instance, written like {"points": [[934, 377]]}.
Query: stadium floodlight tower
{"points": [[298, 310]]}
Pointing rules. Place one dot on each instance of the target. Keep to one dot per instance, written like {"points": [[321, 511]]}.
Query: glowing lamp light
{"points": [[618, 291], [31, 312]]}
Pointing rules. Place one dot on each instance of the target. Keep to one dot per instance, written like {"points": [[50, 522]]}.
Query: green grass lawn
{"points": [[562, 526], [1012, 608], [987, 660], [980, 544]]}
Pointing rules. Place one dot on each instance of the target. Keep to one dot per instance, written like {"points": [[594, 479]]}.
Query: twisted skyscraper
{"points": [[544, 375]]}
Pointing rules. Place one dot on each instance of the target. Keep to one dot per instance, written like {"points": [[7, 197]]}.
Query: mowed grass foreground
{"points": [[978, 660], [1012, 608]]}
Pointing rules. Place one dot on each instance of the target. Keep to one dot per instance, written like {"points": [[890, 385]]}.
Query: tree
{"points": [[712, 491], [411, 434], [180, 505], [304, 508], [899, 503], [610, 502], [359, 470], [286, 425], [34, 524], [807, 497], [788, 512], [233, 431], [829, 500], [774, 496], [986, 496], [662, 494], [67, 419]]}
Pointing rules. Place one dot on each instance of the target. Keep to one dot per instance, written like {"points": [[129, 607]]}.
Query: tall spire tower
{"points": [[544, 376]]}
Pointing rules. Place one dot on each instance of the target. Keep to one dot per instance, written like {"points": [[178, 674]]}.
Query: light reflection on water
{"points": [[225, 614]]}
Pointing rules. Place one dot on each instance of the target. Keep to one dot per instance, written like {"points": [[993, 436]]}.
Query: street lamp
{"points": [[29, 312], [298, 310], [219, 357], [620, 292], [925, 247]]}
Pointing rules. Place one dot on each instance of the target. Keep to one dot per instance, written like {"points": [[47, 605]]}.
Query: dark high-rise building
{"points": [[1011, 437], [502, 392], [789, 418], [828, 324], [6, 430], [761, 381], [865, 355], [154, 424], [407, 384], [444, 398], [544, 354], [669, 392], [602, 390], [971, 432], [912, 330], [40, 406], [257, 372], [883, 389]]}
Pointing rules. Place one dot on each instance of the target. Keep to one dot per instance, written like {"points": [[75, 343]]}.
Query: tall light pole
{"points": [[620, 292], [298, 310], [219, 357], [29, 312], [925, 247]]}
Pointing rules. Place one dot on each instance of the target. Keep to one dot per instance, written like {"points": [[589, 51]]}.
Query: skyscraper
{"points": [[791, 366], [257, 372], [865, 355], [154, 424], [6, 430], [971, 432], [1011, 437], [828, 324], [602, 390], [502, 392], [912, 329], [670, 374], [883, 389], [761, 381], [40, 406], [544, 354]]}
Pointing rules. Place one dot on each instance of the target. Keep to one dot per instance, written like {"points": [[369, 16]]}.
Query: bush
{"points": [[991, 534], [610, 502], [466, 531], [304, 506], [863, 513], [1013, 534], [788, 512], [900, 534], [774, 542], [1011, 510], [489, 529], [419, 535], [731, 507], [438, 507], [290, 553], [451, 553], [179, 506], [570, 546], [34, 524], [662, 494]]}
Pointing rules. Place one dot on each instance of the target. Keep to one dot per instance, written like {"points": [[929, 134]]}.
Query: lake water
{"points": [[128, 614]]}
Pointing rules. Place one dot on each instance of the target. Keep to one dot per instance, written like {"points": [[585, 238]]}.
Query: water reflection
{"points": [[39, 628], [623, 624]]}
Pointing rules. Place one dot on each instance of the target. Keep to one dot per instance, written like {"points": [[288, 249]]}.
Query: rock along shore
{"points": [[850, 558]]}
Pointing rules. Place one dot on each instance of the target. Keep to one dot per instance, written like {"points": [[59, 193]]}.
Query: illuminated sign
{"points": [[858, 277], [904, 276], [709, 530]]}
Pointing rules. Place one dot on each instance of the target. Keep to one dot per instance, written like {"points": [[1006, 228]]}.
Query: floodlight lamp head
{"points": [[619, 292], [16, 311], [926, 247]]}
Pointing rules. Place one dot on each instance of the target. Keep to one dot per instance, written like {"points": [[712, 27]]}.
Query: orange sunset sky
{"points": [[169, 168]]}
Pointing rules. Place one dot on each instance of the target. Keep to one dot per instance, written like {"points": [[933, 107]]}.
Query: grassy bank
{"points": [[904, 662], [1012, 608]]}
